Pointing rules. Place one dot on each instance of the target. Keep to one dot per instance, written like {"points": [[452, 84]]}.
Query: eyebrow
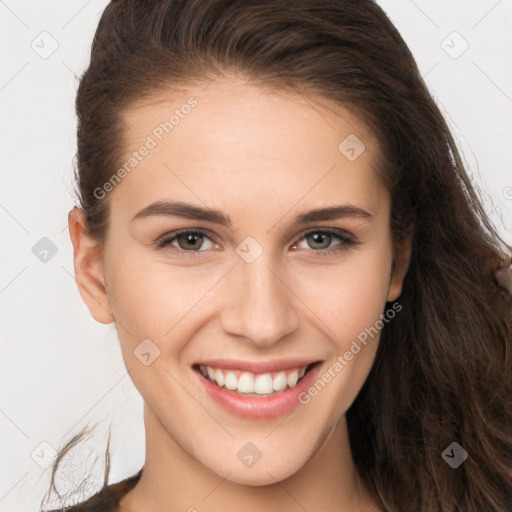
{"points": [[190, 211]]}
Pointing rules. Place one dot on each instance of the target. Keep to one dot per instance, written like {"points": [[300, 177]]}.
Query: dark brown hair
{"points": [[442, 372]]}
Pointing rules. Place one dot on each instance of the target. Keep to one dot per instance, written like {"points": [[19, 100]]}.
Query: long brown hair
{"points": [[442, 372]]}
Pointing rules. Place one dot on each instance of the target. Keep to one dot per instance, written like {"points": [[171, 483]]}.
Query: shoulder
{"points": [[106, 500]]}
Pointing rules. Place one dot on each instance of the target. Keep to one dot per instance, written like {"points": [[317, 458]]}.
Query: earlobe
{"points": [[399, 269], [89, 268]]}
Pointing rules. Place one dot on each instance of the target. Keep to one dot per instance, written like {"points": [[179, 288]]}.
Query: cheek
{"points": [[150, 297], [347, 297]]}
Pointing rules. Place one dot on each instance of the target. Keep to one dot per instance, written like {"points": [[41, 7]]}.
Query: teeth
{"points": [[218, 377], [231, 381], [254, 383], [293, 378], [246, 383], [262, 384], [279, 382]]}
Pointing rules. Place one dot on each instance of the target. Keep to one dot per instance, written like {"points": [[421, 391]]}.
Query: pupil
{"points": [[190, 240], [319, 235]]}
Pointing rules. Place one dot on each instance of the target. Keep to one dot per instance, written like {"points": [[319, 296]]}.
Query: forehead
{"points": [[240, 144]]}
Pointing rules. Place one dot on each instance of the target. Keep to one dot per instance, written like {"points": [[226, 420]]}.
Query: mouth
{"points": [[262, 384], [257, 390]]}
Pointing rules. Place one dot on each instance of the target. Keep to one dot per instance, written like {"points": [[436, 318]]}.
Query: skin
{"points": [[261, 157]]}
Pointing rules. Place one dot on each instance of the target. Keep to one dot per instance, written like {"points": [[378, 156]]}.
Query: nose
{"points": [[260, 306]]}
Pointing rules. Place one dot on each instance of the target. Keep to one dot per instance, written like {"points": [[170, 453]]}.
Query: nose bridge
{"points": [[260, 305]]}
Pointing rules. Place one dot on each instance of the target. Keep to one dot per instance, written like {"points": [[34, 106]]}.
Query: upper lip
{"points": [[257, 366]]}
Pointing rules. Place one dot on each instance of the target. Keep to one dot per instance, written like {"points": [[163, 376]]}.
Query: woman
{"points": [[218, 143]]}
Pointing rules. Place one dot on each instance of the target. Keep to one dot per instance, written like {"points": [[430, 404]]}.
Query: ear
{"points": [[88, 263], [401, 261]]}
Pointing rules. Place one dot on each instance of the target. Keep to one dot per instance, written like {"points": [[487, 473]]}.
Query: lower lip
{"points": [[258, 408]]}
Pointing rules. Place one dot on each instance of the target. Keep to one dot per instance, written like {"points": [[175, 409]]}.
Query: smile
{"points": [[254, 384], [256, 390]]}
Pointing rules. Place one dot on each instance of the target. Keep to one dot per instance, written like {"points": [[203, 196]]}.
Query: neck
{"points": [[173, 480]]}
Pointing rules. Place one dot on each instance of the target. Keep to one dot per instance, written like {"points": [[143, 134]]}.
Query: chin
{"points": [[263, 472], [263, 476]]}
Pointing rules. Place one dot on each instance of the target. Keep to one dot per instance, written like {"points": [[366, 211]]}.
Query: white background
{"points": [[61, 370]]}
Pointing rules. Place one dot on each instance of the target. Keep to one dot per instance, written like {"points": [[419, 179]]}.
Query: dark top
{"points": [[107, 499]]}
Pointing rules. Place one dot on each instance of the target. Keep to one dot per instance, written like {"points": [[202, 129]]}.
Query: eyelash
{"points": [[165, 241]]}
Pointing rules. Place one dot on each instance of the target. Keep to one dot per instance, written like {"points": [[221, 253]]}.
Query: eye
{"points": [[189, 242], [324, 238]]}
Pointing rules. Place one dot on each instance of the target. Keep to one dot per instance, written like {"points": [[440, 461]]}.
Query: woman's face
{"points": [[256, 296]]}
